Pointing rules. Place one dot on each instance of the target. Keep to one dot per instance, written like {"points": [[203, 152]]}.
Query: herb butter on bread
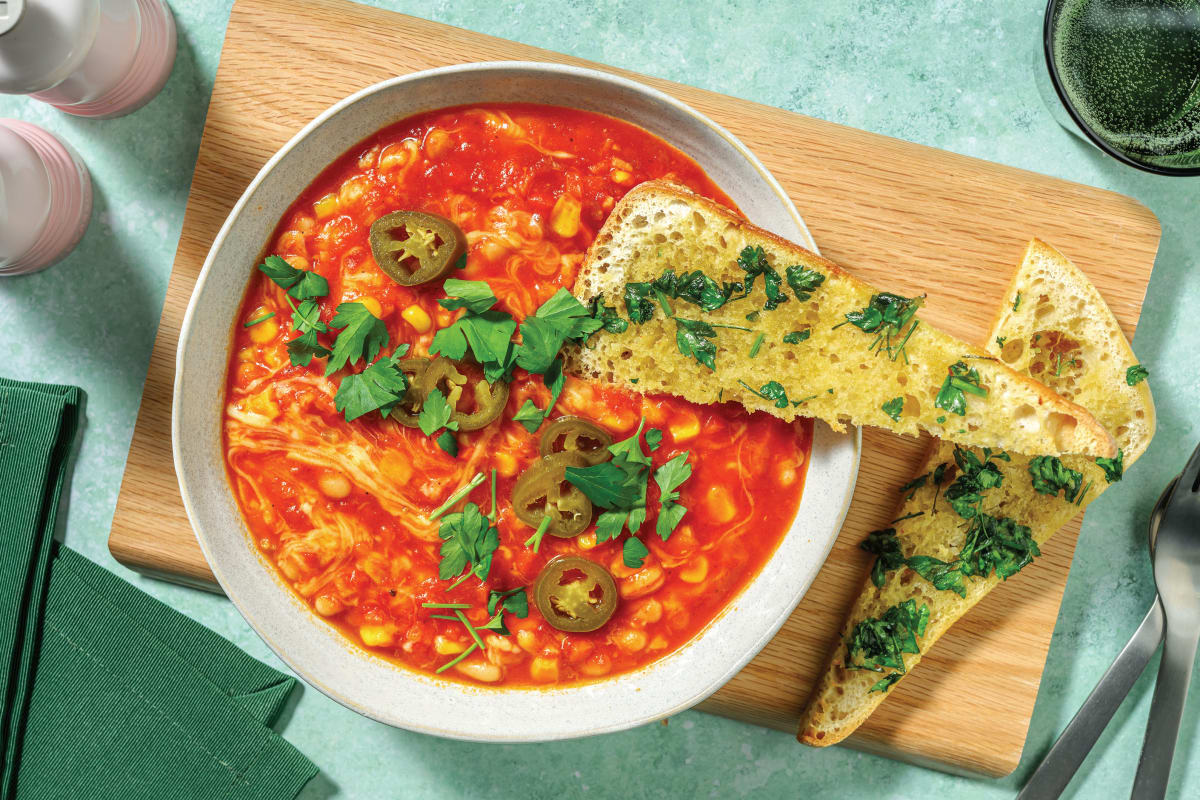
{"points": [[702, 304]]}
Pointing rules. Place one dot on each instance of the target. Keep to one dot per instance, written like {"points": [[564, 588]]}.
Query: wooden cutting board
{"points": [[903, 216]]}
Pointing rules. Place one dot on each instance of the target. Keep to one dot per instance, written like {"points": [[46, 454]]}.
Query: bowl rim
{"points": [[303, 671]]}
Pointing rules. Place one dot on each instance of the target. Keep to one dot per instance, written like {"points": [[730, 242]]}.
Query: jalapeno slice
{"points": [[413, 247], [490, 398], [574, 594], [406, 411], [576, 435], [542, 490]]}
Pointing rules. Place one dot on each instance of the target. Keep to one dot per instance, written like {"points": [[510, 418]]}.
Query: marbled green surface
{"points": [[953, 74]]}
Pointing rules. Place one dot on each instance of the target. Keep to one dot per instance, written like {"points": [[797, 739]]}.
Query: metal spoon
{"points": [[1177, 576], [1051, 777]]}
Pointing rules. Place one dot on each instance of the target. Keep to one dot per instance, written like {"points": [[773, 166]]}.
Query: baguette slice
{"points": [[833, 375], [1061, 314]]}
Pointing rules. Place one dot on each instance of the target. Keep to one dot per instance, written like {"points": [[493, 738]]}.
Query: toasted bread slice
{"points": [[1063, 333], [839, 371]]}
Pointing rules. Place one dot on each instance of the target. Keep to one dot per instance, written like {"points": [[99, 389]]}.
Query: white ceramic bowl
{"points": [[322, 655]]}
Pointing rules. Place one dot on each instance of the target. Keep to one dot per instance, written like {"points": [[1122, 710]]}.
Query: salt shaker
{"points": [[45, 198], [91, 58]]}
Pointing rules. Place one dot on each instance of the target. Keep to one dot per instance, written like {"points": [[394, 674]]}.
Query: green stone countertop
{"points": [[952, 74]]}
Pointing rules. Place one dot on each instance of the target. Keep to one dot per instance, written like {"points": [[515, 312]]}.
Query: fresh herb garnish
{"points": [[379, 387], [610, 320], [961, 381], [435, 414], [1050, 476], [495, 512], [302, 284], [560, 319], [514, 601], [456, 496], [362, 336], [669, 477], [488, 333], [468, 542], [694, 339], [796, 337], [893, 408], [529, 415], [633, 553], [886, 682], [757, 344], [1114, 468], [883, 641], [912, 486], [912, 515], [804, 281], [654, 439], [257, 320], [889, 556], [774, 392], [1136, 374], [535, 541], [941, 574], [754, 261], [638, 303], [476, 296], [886, 316], [975, 477], [999, 544], [1000, 340], [1017, 302]]}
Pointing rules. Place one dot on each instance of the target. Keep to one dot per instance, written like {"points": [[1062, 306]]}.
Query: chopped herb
{"points": [[633, 553], [701, 290], [757, 344], [886, 682], [435, 414], [1136, 374], [883, 641], [996, 544], [535, 541], [476, 296], [961, 381], [669, 477], [257, 320], [754, 261], [654, 439], [1080, 496], [609, 319], [796, 337], [772, 391], [1049, 475], [804, 281], [514, 601], [618, 485], [889, 556], [379, 387], [694, 339], [939, 472], [912, 486], [893, 408], [753, 316], [886, 316], [1000, 340], [362, 336], [941, 420], [302, 284], [560, 319], [975, 477], [447, 442], [633, 381], [638, 303], [1017, 302], [488, 333], [1114, 468], [913, 515], [492, 517], [468, 540], [458, 494], [530, 416], [445, 605], [942, 575]]}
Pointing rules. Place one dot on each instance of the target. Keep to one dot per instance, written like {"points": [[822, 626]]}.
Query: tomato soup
{"points": [[341, 509]]}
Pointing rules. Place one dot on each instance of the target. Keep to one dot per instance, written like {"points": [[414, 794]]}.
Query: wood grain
{"points": [[906, 217]]}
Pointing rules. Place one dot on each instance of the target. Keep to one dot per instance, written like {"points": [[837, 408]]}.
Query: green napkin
{"points": [[108, 692]]}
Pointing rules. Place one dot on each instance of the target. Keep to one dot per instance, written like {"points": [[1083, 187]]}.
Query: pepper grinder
{"points": [[91, 58], [45, 198]]}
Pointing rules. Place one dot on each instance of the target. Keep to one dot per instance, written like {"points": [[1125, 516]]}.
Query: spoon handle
{"points": [[1166, 711], [1057, 768]]}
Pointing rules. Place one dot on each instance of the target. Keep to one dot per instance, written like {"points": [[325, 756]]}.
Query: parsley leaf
{"points": [[669, 477], [961, 381], [447, 442], [560, 319], [302, 284], [796, 337], [694, 338], [654, 439], [450, 342], [435, 414], [893, 408], [912, 486], [773, 391], [476, 296], [999, 544], [378, 387], [468, 540], [514, 601], [633, 553], [883, 641], [941, 574], [608, 317], [886, 682], [1049, 475], [362, 336], [757, 344], [568, 316], [1017, 302], [701, 290], [303, 348], [754, 261], [886, 315], [1114, 468], [976, 476], [886, 546], [605, 484], [804, 281], [532, 417], [638, 303], [1136, 374]]}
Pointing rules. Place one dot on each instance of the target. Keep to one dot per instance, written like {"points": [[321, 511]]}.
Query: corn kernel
{"points": [[372, 305], [377, 635], [621, 176], [505, 464], [417, 317], [586, 541], [696, 571], [685, 429], [447, 647], [564, 219], [720, 504], [326, 206], [263, 404], [544, 670], [263, 332]]}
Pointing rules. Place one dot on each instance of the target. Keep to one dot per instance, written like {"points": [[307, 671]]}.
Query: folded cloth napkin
{"points": [[108, 693]]}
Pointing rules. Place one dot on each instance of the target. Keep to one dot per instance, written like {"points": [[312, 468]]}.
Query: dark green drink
{"points": [[1129, 73]]}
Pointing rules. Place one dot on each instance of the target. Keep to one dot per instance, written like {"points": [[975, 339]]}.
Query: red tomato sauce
{"points": [[340, 509]]}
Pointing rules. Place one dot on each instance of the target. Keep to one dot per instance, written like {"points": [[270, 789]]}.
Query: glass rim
{"points": [[1096, 139]]}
